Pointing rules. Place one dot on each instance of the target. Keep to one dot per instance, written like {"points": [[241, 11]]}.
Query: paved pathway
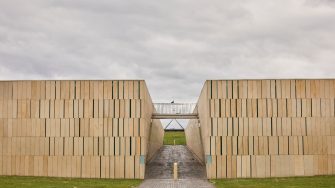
{"points": [[159, 170], [184, 183]]}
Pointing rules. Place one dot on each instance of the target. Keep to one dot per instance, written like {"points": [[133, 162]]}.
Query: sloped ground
{"points": [[183, 183], [174, 138], [161, 167], [159, 170]]}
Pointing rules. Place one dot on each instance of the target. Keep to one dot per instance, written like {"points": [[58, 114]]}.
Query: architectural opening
{"points": [[175, 118], [174, 137]]}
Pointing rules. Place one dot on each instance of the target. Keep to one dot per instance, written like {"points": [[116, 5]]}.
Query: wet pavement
{"points": [[191, 173], [184, 183]]}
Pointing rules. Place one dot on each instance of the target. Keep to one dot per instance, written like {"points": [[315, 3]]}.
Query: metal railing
{"points": [[174, 108], [175, 111]]}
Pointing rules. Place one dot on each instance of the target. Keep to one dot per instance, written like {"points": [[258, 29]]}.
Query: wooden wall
{"points": [[193, 138], [88, 129], [268, 128], [155, 139]]}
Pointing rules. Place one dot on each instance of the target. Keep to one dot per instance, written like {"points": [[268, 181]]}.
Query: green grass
{"points": [[48, 182], [179, 136], [294, 182]]}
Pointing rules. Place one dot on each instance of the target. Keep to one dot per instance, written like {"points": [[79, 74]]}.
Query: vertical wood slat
{"points": [[284, 118], [55, 126]]}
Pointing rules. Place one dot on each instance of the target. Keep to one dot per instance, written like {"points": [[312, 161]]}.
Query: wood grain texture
{"points": [[89, 129], [285, 127]]}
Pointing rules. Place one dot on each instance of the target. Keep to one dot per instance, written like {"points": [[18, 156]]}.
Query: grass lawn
{"points": [[48, 182], [294, 182], [179, 136]]}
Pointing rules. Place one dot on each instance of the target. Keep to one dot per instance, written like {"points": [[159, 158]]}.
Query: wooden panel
{"points": [[285, 124], [229, 89]]}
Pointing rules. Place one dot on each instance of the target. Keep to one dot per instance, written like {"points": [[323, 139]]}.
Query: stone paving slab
{"points": [[159, 170], [161, 167], [182, 183]]}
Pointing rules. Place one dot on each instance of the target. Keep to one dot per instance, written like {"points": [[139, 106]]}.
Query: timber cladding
{"points": [[267, 128], [88, 129]]}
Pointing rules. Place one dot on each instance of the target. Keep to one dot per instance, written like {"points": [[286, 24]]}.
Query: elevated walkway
{"points": [[174, 116], [174, 111]]}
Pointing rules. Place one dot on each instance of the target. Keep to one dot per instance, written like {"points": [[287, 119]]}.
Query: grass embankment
{"points": [[293, 182], [178, 136], [51, 182]]}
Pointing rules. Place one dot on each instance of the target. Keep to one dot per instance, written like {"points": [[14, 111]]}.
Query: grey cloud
{"points": [[174, 45]]}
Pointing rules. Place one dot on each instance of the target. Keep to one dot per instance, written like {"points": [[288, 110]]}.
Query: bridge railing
{"points": [[174, 108], [175, 111]]}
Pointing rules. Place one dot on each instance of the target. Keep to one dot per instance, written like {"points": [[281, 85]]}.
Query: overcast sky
{"points": [[175, 45]]}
